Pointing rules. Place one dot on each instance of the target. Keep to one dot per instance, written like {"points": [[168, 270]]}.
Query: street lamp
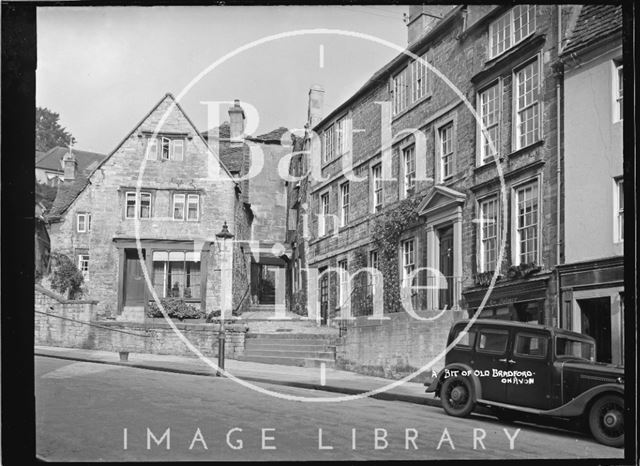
{"points": [[225, 274]]}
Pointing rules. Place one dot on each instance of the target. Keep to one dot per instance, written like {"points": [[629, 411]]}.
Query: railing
{"points": [[91, 324]]}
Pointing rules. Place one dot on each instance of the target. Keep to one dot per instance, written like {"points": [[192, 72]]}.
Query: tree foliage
{"points": [[65, 276], [49, 133]]}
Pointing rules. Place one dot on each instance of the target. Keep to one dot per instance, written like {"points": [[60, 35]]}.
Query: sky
{"points": [[103, 68]]}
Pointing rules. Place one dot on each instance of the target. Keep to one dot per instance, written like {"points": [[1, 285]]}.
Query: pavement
{"points": [[330, 380]]}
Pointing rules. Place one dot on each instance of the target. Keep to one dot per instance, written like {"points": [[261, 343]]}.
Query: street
{"points": [[98, 412]]}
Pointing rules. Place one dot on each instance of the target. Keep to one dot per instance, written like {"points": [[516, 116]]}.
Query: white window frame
{"points": [[152, 149], [83, 259], [441, 150], [193, 199], [507, 23], [343, 282], [137, 204], [175, 200], [342, 135], [175, 145], [409, 177], [408, 266], [516, 219], [86, 222], [519, 110], [344, 203], [130, 195], [617, 88], [324, 209], [482, 225], [618, 210], [328, 146], [165, 142], [419, 79], [377, 188], [491, 125], [399, 91]]}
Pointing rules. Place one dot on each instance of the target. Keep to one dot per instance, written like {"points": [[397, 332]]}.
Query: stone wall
{"points": [[73, 324], [396, 347]]}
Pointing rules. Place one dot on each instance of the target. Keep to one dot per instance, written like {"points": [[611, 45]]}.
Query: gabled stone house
{"points": [[50, 166], [98, 218]]}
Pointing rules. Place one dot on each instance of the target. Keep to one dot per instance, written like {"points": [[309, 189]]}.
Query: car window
{"points": [[566, 346], [530, 345], [493, 341], [467, 340]]}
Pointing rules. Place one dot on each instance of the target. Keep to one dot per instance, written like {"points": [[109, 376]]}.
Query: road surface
{"points": [[98, 412]]}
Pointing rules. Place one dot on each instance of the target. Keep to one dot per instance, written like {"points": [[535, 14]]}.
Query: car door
{"points": [[491, 353], [530, 352]]}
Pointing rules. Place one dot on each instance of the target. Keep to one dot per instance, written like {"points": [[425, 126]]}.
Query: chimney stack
{"points": [[236, 121], [70, 166], [423, 18], [316, 104]]}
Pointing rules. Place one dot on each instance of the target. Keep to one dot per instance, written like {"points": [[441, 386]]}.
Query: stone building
{"points": [[592, 275], [165, 187], [444, 175], [50, 167]]}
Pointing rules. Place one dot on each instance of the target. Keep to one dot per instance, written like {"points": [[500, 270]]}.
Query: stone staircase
{"points": [[290, 349]]}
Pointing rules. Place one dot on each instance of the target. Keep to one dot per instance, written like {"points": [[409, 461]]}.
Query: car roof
{"points": [[522, 325]]}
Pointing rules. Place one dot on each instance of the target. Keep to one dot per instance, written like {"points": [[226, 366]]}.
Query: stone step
{"points": [[298, 354], [289, 361], [253, 345], [291, 336]]}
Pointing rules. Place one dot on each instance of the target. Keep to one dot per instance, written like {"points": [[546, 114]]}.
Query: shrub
{"points": [[65, 276], [175, 308]]}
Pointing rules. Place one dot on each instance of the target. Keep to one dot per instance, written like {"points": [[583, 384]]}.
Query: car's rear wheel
{"points": [[458, 398], [606, 420]]}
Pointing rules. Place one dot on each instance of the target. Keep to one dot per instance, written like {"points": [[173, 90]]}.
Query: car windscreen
{"points": [[572, 347]]}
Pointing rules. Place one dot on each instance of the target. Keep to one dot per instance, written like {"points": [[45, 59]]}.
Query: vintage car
{"points": [[515, 367]]}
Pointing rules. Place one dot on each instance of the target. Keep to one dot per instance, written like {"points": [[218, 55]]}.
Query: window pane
{"points": [[159, 270], [193, 210], [178, 206], [178, 149], [130, 205], [145, 205], [166, 144], [81, 223], [493, 340], [192, 280], [531, 345]]}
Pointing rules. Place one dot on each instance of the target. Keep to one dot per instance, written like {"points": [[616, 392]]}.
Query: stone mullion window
{"points": [[169, 148], [137, 205], [83, 222]]}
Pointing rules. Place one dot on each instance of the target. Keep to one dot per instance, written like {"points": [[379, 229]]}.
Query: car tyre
{"points": [[606, 420], [458, 397]]}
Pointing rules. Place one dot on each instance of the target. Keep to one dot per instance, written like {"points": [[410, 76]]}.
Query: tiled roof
{"points": [[272, 136], [87, 161], [594, 23], [67, 192]]}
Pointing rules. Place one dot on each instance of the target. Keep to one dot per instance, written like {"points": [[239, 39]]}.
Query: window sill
{"points": [[524, 149], [411, 107]]}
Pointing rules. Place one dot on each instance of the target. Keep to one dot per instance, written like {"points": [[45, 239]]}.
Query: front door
{"points": [[324, 298], [134, 282], [446, 267]]}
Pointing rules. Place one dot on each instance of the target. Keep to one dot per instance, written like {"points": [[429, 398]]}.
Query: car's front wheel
{"points": [[606, 420], [458, 398]]}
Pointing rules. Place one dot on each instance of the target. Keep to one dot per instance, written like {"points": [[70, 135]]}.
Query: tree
{"points": [[49, 133]]}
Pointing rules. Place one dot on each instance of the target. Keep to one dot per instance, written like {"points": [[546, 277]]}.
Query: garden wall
{"points": [[60, 322], [396, 347]]}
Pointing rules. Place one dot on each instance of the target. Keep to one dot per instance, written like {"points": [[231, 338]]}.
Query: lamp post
{"points": [[225, 274]]}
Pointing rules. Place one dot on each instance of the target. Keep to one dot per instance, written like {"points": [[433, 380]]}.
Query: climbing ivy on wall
{"points": [[387, 230]]}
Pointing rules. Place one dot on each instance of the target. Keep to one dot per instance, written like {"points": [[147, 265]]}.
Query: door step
{"points": [[295, 349]]}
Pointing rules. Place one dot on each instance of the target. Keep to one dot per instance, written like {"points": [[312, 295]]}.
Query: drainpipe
{"points": [[559, 126]]}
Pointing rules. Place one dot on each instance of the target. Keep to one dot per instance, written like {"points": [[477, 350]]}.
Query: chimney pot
{"points": [[316, 104], [70, 166], [236, 121]]}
